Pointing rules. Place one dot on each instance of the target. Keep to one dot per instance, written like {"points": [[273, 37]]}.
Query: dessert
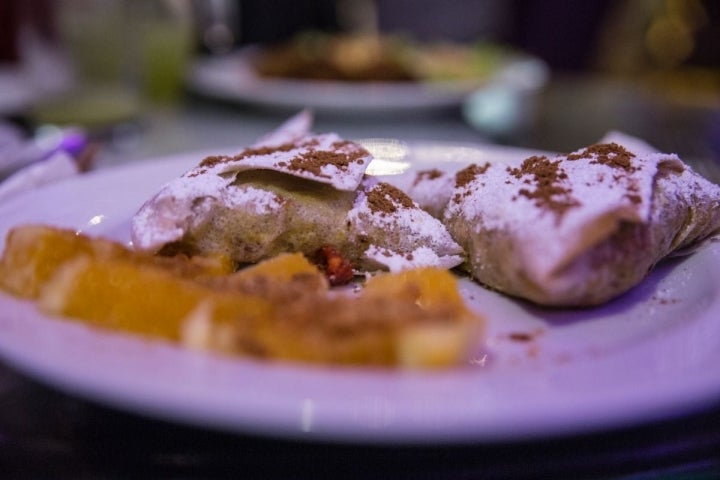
{"points": [[348, 58], [33, 254], [558, 230], [291, 199], [279, 309], [293, 191], [577, 229], [369, 57]]}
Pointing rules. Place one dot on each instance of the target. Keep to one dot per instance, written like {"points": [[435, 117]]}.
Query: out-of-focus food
{"points": [[402, 321], [362, 57], [279, 309], [34, 253]]}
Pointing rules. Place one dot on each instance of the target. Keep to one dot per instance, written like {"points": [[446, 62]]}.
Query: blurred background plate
{"points": [[233, 78]]}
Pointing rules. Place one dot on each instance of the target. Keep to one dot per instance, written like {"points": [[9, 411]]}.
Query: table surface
{"points": [[46, 433]]}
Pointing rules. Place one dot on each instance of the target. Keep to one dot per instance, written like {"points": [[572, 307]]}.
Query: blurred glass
{"points": [[217, 23], [87, 45], [95, 35], [165, 42], [117, 57]]}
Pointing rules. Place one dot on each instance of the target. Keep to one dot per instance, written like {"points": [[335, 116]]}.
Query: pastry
{"points": [[577, 229], [293, 191]]}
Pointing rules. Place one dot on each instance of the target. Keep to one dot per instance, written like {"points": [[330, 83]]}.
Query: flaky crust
{"points": [[610, 250], [298, 196]]}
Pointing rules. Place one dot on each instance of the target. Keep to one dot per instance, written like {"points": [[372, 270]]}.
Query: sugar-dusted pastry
{"points": [[577, 229], [431, 188], [293, 191]]}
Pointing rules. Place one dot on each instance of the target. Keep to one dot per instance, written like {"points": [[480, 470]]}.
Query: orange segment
{"points": [[281, 268], [432, 287], [445, 330], [33, 253], [121, 295], [281, 308]]}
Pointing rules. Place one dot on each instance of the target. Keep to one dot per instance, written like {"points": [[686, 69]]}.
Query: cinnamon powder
{"points": [[311, 161], [314, 160], [386, 199], [547, 176], [615, 156], [469, 173], [424, 175], [610, 154], [212, 161]]}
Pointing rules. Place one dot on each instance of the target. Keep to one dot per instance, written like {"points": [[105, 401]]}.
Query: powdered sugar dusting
{"points": [[431, 189], [549, 209], [406, 229], [185, 202], [420, 257], [383, 220], [324, 158]]}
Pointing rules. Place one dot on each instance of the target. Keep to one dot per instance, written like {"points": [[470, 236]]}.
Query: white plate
{"points": [[651, 354], [233, 78]]}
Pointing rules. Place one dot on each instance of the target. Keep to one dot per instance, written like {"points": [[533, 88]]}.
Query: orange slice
{"points": [[33, 253]]}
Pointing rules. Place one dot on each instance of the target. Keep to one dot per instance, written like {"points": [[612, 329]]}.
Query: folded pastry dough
{"points": [[577, 229], [293, 191]]}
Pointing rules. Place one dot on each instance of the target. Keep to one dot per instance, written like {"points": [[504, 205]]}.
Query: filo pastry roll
{"points": [[577, 229], [293, 191]]}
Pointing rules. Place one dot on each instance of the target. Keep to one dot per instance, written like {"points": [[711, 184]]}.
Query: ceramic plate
{"points": [[651, 354], [233, 78]]}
